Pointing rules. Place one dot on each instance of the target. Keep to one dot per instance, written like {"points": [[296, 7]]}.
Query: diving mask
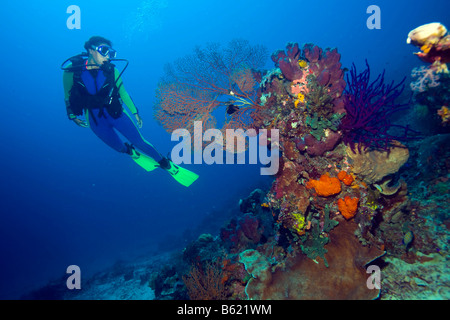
{"points": [[105, 50]]}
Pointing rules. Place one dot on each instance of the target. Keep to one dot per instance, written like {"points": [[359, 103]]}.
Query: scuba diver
{"points": [[93, 87]]}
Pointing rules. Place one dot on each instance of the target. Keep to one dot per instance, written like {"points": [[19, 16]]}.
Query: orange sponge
{"points": [[345, 178], [348, 207], [325, 186]]}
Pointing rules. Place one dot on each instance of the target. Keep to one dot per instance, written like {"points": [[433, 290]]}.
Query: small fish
{"points": [[408, 238], [231, 108]]}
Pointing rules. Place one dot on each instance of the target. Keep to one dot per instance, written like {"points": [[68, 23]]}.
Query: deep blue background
{"points": [[66, 198]]}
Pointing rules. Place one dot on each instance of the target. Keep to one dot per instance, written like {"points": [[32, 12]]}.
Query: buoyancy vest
{"points": [[95, 89]]}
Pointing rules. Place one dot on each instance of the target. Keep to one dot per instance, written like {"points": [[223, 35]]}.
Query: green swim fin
{"points": [[149, 164], [183, 176]]}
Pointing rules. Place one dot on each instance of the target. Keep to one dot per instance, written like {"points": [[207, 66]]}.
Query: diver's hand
{"points": [[80, 123], [139, 120]]}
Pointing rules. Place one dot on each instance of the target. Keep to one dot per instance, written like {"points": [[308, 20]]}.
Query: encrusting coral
{"points": [[346, 178], [326, 186], [373, 166], [348, 207], [303, 278]]}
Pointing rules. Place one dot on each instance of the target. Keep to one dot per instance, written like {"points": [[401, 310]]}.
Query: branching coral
{"points": [[197, 84], [205, 283], [369, 107], [425, 78]]}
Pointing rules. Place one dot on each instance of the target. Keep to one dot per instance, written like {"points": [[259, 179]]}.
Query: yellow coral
{"points": [[300, 98], [302, 63], [439, 67], [372, 205], [444, 112], [426, 47], [299, 224]]}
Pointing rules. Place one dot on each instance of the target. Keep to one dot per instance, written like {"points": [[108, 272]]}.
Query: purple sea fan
{"points": [[369, 108]]}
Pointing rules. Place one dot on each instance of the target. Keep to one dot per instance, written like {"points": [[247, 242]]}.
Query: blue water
{"points": [[67, 198]]}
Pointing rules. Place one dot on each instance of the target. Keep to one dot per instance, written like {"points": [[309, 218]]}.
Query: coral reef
{"points": [[341, 200], [425, 280], [350, 193], [304, 278], [432, 96], [432, 85]]}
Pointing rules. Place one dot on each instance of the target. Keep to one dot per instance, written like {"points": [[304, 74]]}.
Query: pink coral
{"points": [[427, 77], [300, 85]]}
